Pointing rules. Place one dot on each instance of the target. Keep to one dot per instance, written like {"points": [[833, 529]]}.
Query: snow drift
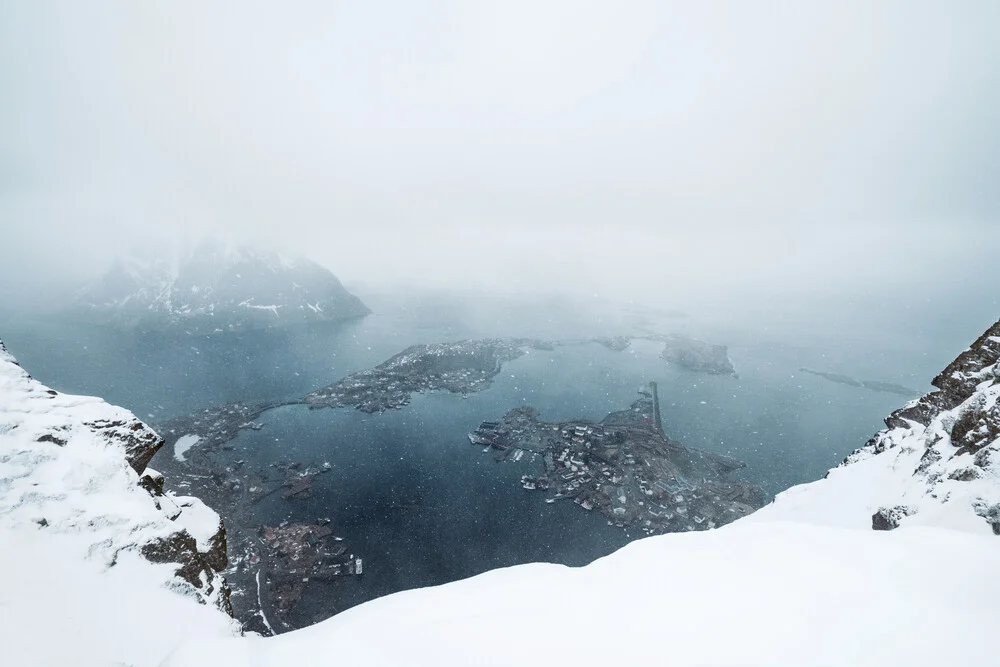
{"points": [[100, 565]]}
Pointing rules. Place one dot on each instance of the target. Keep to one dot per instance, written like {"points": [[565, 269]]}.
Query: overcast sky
{"points": [[578, 145]]}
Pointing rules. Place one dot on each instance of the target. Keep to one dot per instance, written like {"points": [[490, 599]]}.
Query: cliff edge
{"points": [[88, 538]]}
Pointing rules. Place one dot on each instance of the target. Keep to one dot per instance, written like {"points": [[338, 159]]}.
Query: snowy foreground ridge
{"points": [[890, 560], [100, 567]]}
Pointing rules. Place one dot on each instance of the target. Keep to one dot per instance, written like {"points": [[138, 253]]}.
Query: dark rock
{"points": [[922, 411], [984, 457], [992, 515], [140, 441], [965, 474], [181, 548], [48, 437], [976, 428], [889, 518], [152, 483], [930, 457], [216, 556], [178, 548], [962, 375]]}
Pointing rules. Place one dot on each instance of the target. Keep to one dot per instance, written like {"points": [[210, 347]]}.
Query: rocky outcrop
{"points": [[75, 467], [955, 384], [196, 568], [888, 518], [140, 441], [943, 449]]}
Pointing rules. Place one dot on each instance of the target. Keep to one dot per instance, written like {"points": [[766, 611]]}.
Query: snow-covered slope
{"points": [[804, 581], [99, 566], [766, 594], [219, 288], [937, 463]]}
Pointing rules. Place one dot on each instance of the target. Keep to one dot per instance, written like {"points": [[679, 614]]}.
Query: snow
{"points": [[260, 605], [73, 520], [57, 608], [273, 308], [184, 443], [753, 593], [199, 520]]}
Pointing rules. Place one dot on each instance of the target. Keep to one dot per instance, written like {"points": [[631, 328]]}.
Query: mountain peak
{"points": [[218, 287]]}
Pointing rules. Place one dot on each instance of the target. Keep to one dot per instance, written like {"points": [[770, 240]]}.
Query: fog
{"points": [[737, 154]]}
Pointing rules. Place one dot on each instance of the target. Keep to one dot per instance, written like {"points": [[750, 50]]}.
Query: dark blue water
{"points": [[419, 503], [788, 426]]}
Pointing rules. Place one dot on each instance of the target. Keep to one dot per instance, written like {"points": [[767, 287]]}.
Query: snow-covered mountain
{"points": [[100, 565], [219, 288]]}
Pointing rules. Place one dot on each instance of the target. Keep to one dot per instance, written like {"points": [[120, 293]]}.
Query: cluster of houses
{"points": [[624, 466], [390, 386]]}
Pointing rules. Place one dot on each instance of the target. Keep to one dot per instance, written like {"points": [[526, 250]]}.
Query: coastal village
{"points": [[270, 566], [292, 555], [624, 468]]}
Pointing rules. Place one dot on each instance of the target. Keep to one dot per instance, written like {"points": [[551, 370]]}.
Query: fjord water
{"points": [[788, 426], [407, 491]]}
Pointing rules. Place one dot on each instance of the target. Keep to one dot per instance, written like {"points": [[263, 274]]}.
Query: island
{"points": [[292, 555], [624, 467], [462, 368], [873, 385], [696, 355]]}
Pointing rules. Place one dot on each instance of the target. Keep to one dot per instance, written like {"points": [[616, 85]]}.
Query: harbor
{"points": [[624, 467]]}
